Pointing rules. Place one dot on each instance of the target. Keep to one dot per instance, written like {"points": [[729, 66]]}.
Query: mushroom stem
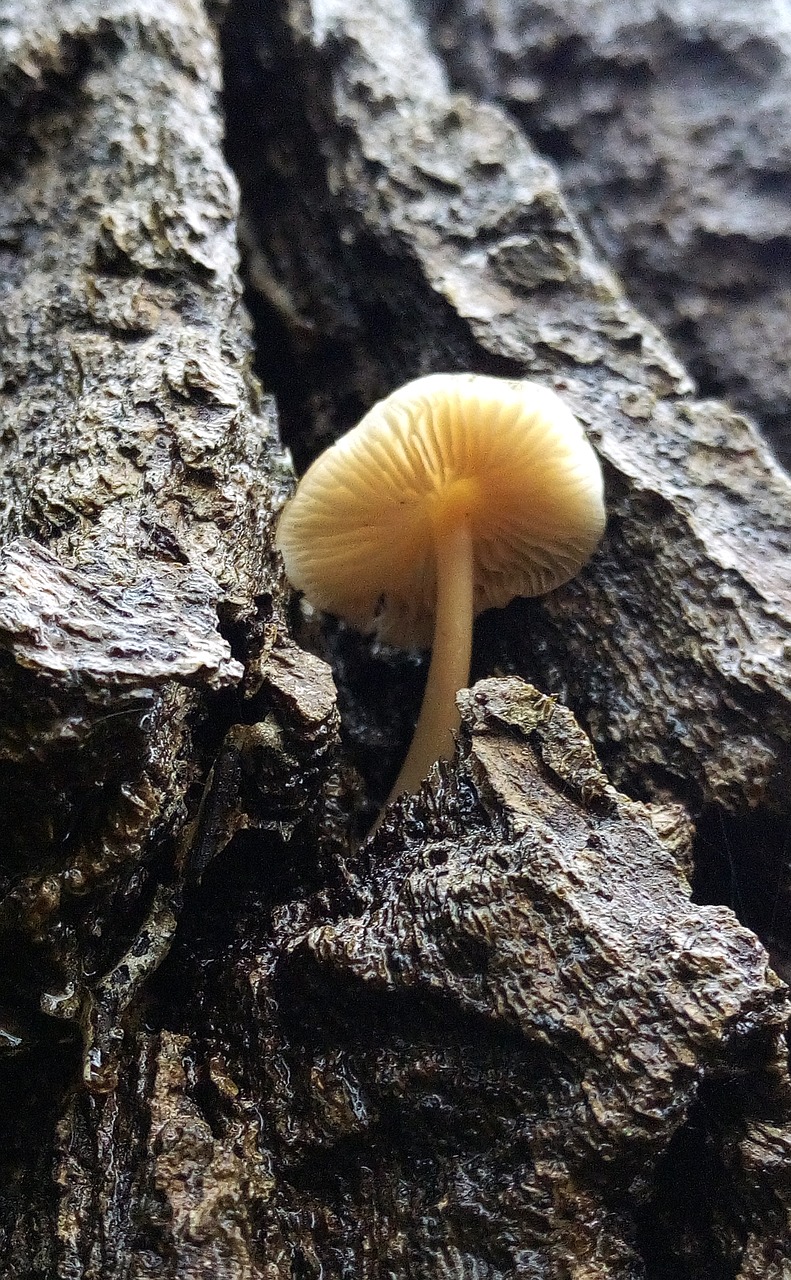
{"points": [[450, 657]]}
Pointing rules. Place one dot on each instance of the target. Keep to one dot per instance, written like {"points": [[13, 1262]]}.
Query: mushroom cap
{"points": [[358, 536]]}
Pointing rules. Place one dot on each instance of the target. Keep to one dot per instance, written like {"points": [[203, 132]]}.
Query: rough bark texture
{"points": [[418, 229], [137, 492], [499, 1039], [670, 124]]}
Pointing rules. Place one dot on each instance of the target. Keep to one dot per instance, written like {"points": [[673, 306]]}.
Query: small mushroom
{"points": [[453, 495]]}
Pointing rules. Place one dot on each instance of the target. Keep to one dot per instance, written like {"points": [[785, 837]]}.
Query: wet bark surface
{"points": [[499, 1038]]}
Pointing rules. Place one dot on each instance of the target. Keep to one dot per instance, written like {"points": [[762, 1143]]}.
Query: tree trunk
{"points": [[499, 1038], [670, 126]]}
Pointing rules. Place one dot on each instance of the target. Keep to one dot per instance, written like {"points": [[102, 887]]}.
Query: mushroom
{"points": [[453, 495]]}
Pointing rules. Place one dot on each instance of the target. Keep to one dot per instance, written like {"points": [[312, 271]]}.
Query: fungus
{"points": [[453, 495]]}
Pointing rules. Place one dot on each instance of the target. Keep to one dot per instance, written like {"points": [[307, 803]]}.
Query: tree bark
{"points": [[499, 1038], [669, 125]]}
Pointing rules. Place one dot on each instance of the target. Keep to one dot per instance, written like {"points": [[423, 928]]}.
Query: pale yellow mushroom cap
{"points": [[358, 536]]}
